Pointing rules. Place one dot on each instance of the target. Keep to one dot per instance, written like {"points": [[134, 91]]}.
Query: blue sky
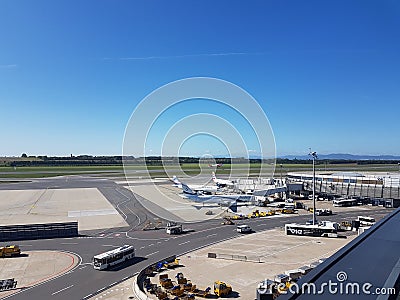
{"points": [[326, 73]]}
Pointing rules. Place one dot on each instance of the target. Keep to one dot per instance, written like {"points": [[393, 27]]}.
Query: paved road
{"points": [[151, 246]]}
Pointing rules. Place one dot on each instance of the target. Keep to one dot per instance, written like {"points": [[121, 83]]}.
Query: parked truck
{"points": [[174, 228]]}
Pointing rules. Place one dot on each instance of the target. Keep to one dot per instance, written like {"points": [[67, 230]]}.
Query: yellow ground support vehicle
{"points": [[9, 251], [270, 212], [222, 289], [262, 213], [254, 214], [171, 265], [283, 289], [227, 221], [287, 211], [238, 217]]}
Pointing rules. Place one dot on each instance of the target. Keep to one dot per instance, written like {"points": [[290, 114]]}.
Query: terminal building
{"points": [[380, 189]]}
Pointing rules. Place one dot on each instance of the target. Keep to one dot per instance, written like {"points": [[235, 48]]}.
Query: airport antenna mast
{"points": [[314, 156]]}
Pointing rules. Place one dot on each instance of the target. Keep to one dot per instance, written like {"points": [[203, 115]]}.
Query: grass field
{"points": [[188, 169]]}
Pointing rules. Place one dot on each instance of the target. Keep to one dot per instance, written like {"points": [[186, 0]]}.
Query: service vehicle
{"points": [[366, 221], [243, 229], [323, 212], [342, 202], [173, 228], [9, 251], [221, 289]]}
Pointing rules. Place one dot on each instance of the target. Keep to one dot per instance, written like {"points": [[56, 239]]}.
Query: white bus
{"points": [[344, 202], [327, 229], [113, 257], [366, 221]]}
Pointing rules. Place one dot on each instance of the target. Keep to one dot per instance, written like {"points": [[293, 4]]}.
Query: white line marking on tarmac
{"points": [[210, 235], [151, 245], [184, 243], [142, 247], [152, 253], [55, 293], [129, 198], [69, 243], [46, 281], [110, 246], [118, 208]]}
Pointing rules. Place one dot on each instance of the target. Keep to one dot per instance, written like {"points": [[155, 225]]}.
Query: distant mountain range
{"points": [[345, 156]]}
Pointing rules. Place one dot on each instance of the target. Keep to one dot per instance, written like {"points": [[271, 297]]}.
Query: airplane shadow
{"points": [[126, 264]]}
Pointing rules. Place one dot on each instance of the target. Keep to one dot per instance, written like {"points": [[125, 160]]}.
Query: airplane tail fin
{"points": [[213, 176], [187, 189], [175, 180], [233, 207]]}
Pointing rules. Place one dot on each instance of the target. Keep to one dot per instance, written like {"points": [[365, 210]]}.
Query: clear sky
{"points": [[326, 73]]}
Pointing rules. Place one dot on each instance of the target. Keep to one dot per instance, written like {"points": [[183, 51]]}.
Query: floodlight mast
{"points": [[314, 157]]}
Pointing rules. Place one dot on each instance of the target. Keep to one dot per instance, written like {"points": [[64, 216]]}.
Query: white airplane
{"points": [[215, 165], [225, 200], [221, 182], [196, 188]]}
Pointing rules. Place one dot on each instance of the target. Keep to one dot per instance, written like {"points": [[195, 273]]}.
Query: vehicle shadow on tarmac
{"points": [[187, 231], [233, 295], [19, 255], [126, 264], [230, 296]]}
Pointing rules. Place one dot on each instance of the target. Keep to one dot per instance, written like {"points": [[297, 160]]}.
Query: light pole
{"points": [[314, 157], [281, 184]]}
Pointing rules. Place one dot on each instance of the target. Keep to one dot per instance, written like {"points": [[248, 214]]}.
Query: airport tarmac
{"points": [[122, 291], [151, 246], [165, 201], [29, 269], [86, 205], [276, 251]]}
